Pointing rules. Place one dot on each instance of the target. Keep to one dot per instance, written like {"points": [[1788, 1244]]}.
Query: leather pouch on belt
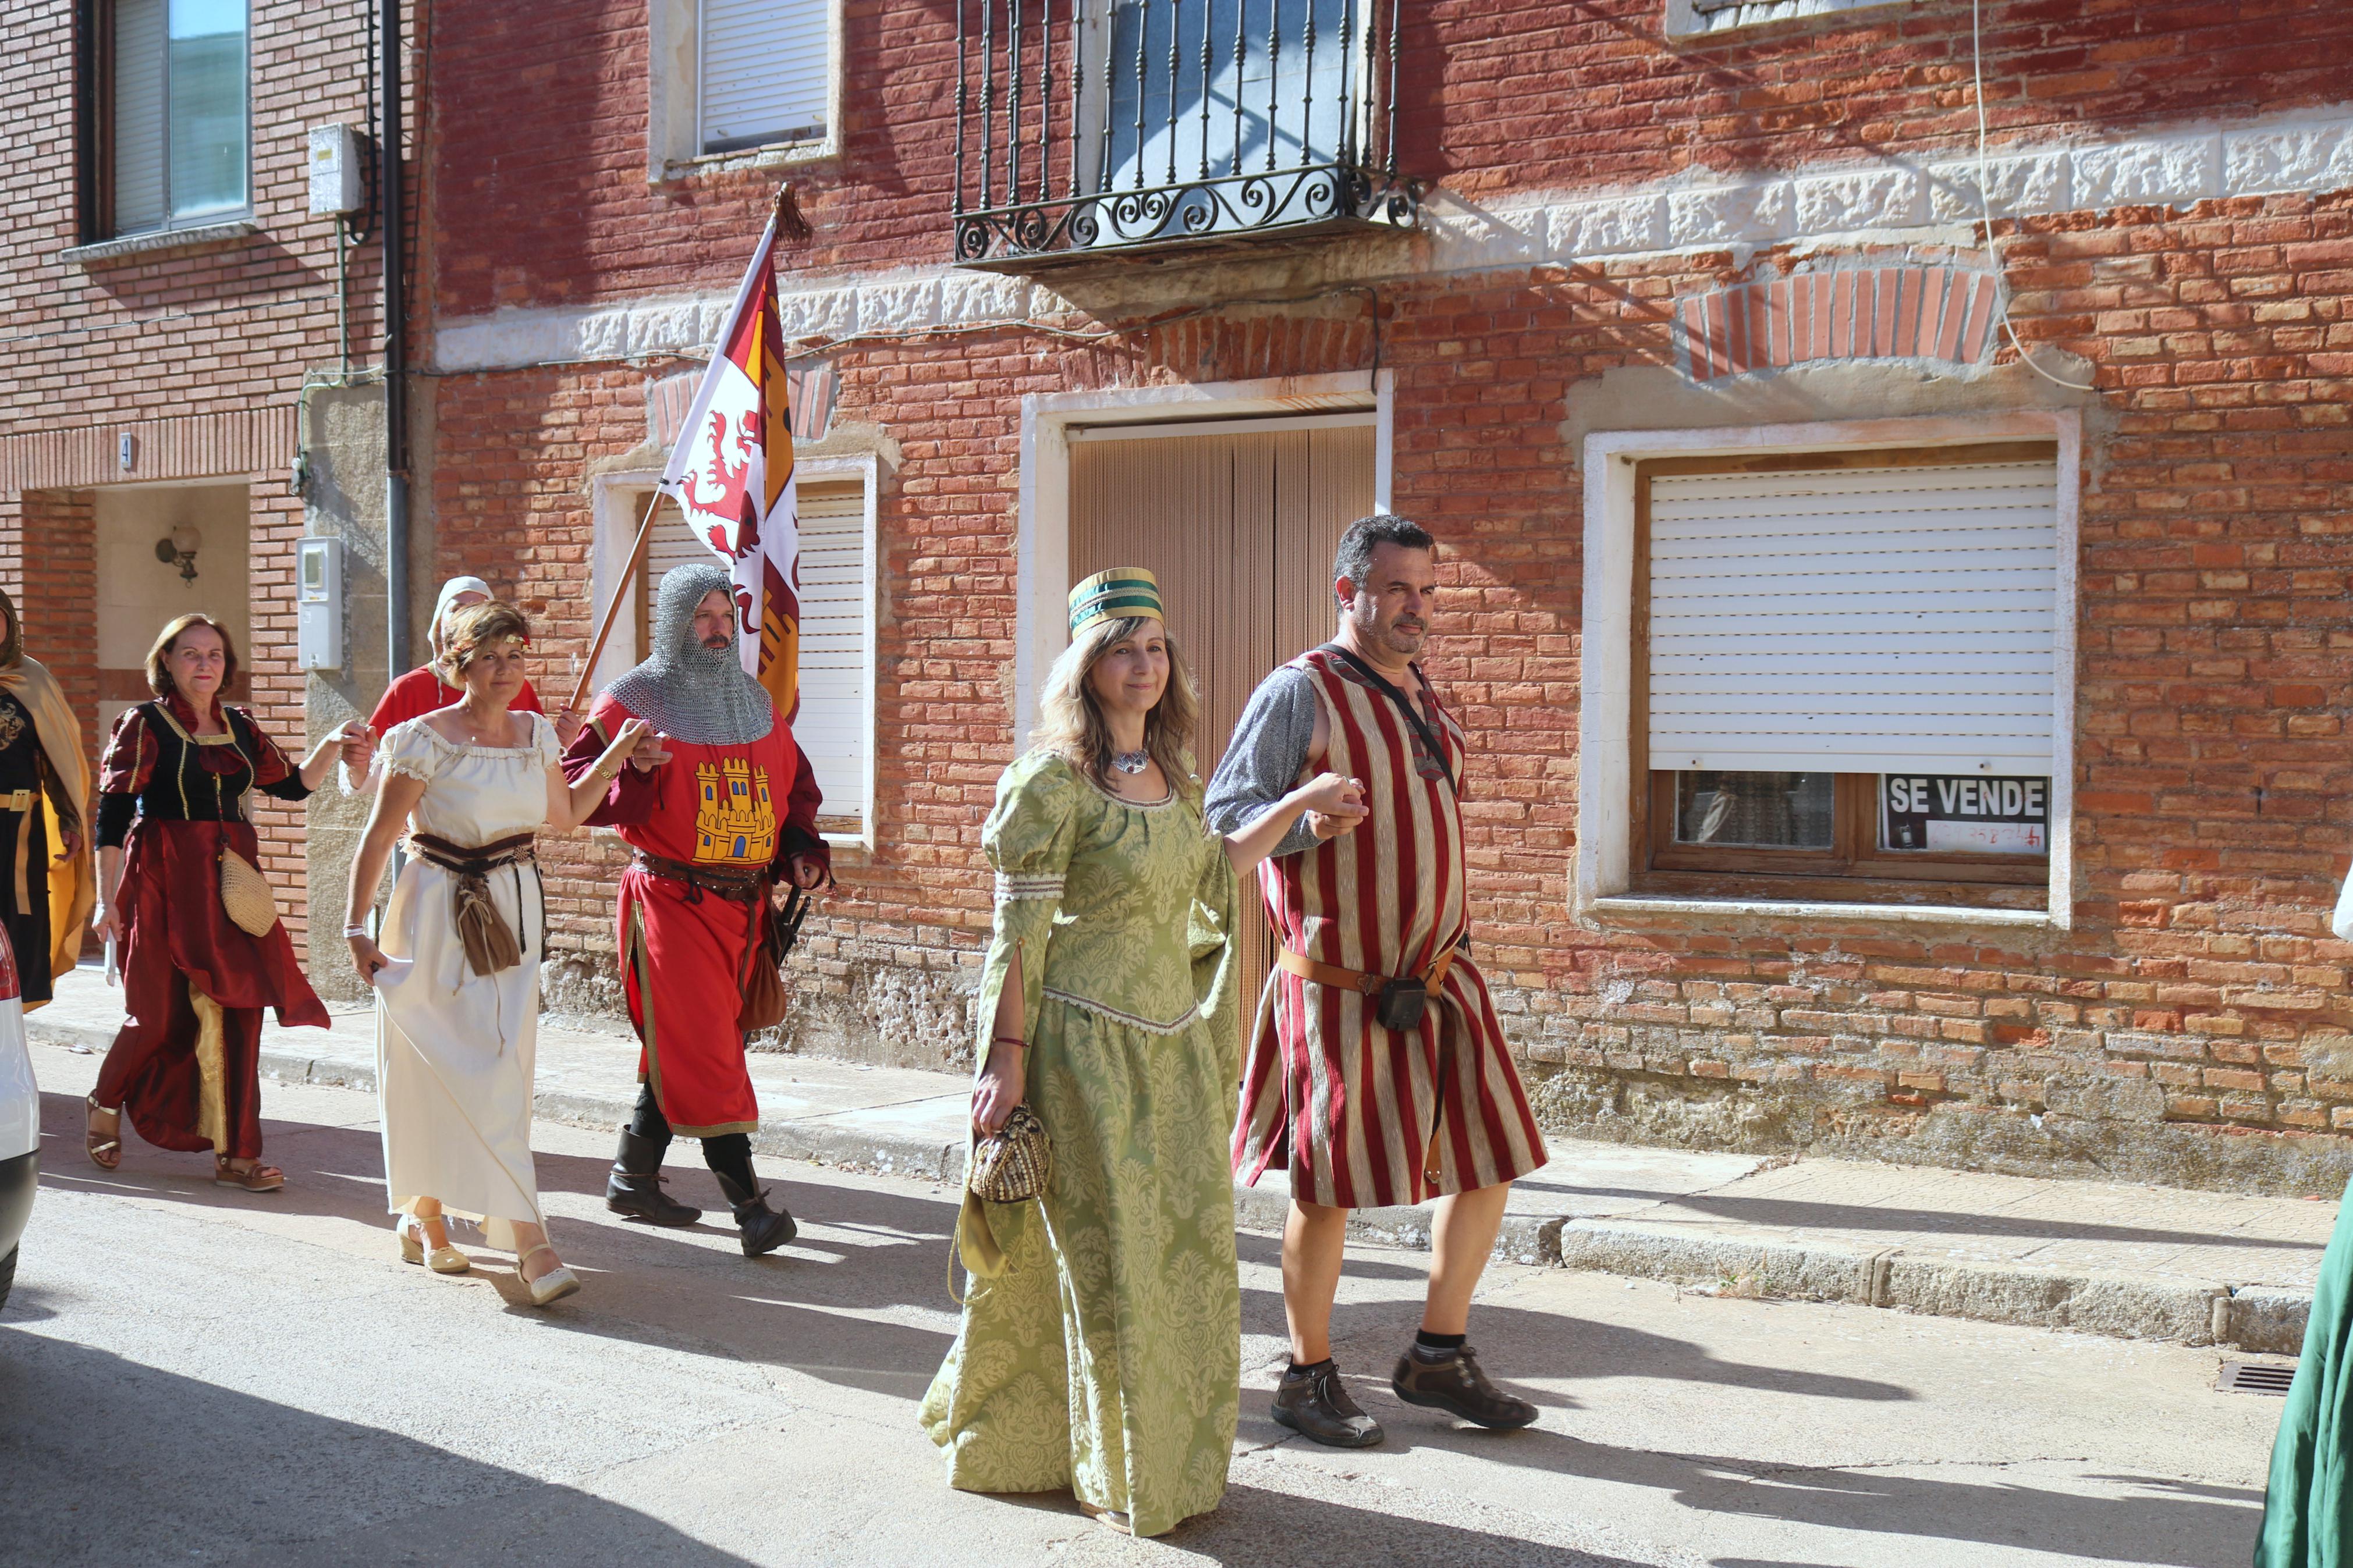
{"points": [[1402, 1003]]}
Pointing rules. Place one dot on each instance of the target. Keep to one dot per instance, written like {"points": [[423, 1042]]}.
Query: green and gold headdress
{"points": [[1108, 596]]}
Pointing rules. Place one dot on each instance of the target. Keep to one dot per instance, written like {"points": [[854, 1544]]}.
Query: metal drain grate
{"points": [[2257, 1377]]}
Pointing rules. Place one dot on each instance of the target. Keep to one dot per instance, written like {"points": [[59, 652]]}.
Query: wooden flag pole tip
{"points": [[792, 226]]}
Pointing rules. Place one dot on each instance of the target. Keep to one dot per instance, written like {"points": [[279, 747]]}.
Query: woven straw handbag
{"points": [[1014, 1163], [1010, 1166], [246, 895]]}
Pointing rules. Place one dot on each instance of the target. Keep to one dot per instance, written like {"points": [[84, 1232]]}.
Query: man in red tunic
{"points": [[719, 811]]}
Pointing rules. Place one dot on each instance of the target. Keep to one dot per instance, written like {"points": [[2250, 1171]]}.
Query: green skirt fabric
{"points": [[2307, 1522], [1106, 1358]]}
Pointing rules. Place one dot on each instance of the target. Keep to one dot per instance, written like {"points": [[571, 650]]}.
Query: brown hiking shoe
{"points": [[1314, 1403], [1454, 1382]]}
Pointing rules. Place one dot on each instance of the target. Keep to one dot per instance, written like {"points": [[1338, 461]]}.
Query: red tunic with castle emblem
{"points": [[744, 808]]}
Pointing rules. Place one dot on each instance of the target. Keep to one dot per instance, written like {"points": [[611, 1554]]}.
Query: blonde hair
{"points": [[1069, 716], [159, 671], [466, 630]]}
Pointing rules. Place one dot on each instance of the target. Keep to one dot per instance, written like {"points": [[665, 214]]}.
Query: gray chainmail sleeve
{"points": [[1263, 761]]}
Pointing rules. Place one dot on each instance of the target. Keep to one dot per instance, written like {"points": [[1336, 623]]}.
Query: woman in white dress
{"points": [[457, 974]]}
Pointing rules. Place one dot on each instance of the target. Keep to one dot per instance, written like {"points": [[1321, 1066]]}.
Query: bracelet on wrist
{"points": [[356, 931], [1008, 1040]]}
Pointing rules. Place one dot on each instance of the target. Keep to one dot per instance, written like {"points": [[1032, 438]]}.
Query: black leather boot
{"points": [[762, 1230], [1314, 1403], [1452, 1380], [635, 1187]]}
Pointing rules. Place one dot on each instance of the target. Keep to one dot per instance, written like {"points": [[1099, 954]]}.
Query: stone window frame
{"points": [[1607, 858], [674, 136], [1702, 21], [616, 504]]}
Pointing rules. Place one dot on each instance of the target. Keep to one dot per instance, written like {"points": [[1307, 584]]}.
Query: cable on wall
{"points": [[1985, 207]]}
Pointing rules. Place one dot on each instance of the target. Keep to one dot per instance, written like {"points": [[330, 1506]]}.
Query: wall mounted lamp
{"points": [[178, 548]]}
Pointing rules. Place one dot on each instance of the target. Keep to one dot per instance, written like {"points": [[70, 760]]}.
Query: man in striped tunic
{"points": [[1376, 1073]]}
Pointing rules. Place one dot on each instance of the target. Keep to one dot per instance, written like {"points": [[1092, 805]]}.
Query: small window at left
{"points": [[175, 126]]}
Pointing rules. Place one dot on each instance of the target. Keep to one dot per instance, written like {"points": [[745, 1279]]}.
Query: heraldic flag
{"points": [[732, 473]]}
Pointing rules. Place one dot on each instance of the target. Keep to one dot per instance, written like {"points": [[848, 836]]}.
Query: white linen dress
{"points": [[454, 1048]]}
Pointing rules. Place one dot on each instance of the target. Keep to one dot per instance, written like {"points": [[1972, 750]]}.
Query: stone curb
{"points": [[2184, 1312]]}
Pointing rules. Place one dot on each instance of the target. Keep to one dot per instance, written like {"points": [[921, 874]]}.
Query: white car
{"points": [[20, 1121]]}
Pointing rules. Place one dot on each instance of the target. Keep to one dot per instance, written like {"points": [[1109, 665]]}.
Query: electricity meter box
{"points": [[319, 604], [335, 170]]}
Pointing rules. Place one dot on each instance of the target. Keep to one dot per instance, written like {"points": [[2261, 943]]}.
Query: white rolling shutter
{"points": [[765, 69], [1854, 620], [836, 723], [669, 544], [138, 115]]}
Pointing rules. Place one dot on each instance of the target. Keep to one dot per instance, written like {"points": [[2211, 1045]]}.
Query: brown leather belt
{"points": [[1370, 986], [474, 859], [745, 886], [1357, 980]]}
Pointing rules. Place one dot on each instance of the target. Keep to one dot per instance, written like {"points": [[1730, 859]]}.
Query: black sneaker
{"points": [[1451, 1380], [1314, 1403]]}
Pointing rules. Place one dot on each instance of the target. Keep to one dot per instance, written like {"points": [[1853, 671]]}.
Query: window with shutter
{"points": [[767, 72], [669, 544], [177, 135], [1847, 664], [835, 723], [836, 726]]}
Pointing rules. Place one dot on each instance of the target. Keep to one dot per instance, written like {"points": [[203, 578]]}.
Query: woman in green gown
{"points": [[1102, 1349], [2308, 1511]]}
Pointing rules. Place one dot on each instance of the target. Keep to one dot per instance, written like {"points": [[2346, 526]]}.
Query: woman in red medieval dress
{"points": [[172, 830]]}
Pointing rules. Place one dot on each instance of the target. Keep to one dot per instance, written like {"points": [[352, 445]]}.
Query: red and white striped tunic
{"points": [[1345, 1103]]}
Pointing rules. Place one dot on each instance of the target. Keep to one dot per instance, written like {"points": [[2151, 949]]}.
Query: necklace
{"points": [[1132, 762], [499, 733]]}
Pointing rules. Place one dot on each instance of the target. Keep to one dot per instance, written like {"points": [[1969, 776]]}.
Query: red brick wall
{"points": [[2212, 780], [540, 116], [190, 331], [56, 589], [227, 325]]}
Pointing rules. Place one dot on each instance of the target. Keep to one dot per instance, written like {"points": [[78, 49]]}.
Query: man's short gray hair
{"points": [[1353, 559]]}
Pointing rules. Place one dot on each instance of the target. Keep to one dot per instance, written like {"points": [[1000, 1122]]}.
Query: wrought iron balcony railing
{"points": [[1089, 126]]}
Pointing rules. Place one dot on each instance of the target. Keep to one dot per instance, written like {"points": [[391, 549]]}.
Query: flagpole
{"points": [[613, 605]]}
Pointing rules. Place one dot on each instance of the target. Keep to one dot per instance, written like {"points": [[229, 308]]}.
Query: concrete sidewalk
{"points": [[2155, 1263]]}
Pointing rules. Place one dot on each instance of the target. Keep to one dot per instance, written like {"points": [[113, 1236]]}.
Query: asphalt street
{"points": [[191, 1374]]}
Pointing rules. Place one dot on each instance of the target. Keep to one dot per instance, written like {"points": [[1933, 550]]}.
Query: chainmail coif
{"points": [[687, 691]]}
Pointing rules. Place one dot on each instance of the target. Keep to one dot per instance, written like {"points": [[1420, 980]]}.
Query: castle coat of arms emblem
{"points": [[735, 821]]}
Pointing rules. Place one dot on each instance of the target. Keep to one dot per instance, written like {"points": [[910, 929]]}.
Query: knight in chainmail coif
{"points": [[718, 817]]}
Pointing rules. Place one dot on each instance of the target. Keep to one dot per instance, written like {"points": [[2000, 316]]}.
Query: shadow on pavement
{"points": [[1256, 1528], [648, 1285], [2168, 1521], [222, 1477], [866, 1307]]}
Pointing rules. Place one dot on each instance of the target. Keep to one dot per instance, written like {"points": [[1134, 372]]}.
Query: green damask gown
{"points": [[1106, 1358], [2308, 1505]]}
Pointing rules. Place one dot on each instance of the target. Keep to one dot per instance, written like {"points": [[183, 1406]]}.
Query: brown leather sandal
{"points": [[105, 1152], [256, 1178]]}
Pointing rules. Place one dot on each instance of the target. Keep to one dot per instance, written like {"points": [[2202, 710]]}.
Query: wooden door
{"points": [[1241, 529]]}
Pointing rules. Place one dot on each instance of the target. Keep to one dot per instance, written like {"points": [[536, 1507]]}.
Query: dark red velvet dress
{"points": [[172, 800]]}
